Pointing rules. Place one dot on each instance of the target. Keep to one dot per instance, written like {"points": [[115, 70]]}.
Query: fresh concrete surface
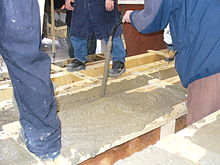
{"points": [[154, 156], [14, 154]]}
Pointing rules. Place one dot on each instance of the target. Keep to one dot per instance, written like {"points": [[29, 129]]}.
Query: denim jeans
{"points": [[80, 49], [70, 47], [118, 50]]}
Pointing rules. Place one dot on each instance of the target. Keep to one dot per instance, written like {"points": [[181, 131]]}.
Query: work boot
{"points": [[76, 65], [45, 157], [118, 68]]}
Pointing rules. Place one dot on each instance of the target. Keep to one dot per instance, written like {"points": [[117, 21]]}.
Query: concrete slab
{"points": [[89, 127], [153, 156], [8, 116], [14, 154]]}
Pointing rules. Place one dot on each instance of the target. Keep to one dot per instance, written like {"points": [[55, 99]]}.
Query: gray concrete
{"points": [[153, 156], [89, 127], [11, 153]]}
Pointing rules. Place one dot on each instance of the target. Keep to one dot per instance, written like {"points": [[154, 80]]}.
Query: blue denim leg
{"points": [[80, 48], [70, 47], [118, 50], [29, 69]]}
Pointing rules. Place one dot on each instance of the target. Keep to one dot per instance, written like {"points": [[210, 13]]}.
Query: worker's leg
{"points": [[80, 48], [91, 45], [203, 97], [118, 57], [118, 50], [70, 47], [29, 70], [80, 52]]}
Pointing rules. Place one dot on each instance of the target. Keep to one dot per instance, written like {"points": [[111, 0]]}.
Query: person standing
{"points": [[95, 17], [195, 30], [29, 70], [91, 43]]}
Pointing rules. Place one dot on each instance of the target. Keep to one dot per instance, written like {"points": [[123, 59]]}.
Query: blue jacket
{"points": [[195, 30], [91, 17]]}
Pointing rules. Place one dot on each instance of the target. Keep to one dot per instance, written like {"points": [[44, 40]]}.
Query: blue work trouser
{"points": [[29, 69], [80, 49]]}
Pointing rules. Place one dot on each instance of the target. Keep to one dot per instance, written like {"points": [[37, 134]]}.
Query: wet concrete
{"points": [[211, 158], [164, 74], [153, 156], [208, 137], [76, 99], [11, 153], [89, 127], [8, 116], [84, 97]]}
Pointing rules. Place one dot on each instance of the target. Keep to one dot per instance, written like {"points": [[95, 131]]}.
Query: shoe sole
{"points": [[116, 75], [168, 59], [75, 69]]}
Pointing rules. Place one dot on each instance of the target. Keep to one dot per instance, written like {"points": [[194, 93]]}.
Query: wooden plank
{"points": [[122, 151], [64, 79], [67, 82], [6, 94], [181, 123], [139, 60], [126, 149], [167, 129]]}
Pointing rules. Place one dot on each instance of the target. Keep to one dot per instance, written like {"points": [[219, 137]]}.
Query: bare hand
{"points": [[68, 4], [109, 5], [126, 17]]}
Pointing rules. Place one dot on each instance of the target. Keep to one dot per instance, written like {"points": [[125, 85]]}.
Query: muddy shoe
{"points": [[118, 68], [76, 65], [50, 157]]}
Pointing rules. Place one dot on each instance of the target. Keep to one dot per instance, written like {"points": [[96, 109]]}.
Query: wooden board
{"points": [[92, 75], [127, 149]]}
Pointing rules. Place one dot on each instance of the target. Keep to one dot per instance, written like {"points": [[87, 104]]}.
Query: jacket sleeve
{"points": [[154, 17]]}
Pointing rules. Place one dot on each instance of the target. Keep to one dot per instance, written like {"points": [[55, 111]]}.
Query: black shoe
{"points": [[118, 68], [76, 65]]}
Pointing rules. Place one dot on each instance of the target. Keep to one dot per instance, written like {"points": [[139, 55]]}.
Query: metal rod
{"points": [[106, 66], [52, 29]]}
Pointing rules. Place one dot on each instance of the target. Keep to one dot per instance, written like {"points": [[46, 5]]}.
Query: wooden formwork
{"points": [[67, 82]]}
